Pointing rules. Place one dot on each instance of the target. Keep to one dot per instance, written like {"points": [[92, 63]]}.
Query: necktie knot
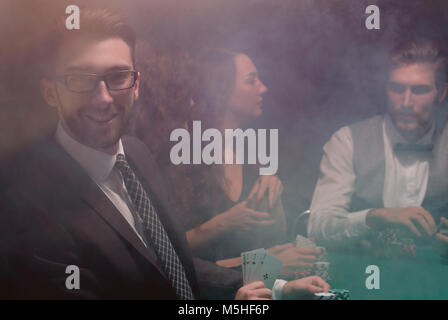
{"points": [[122, 164]]}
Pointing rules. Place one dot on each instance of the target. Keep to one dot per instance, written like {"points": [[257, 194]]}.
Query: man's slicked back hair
{"points": [[421, 51], [96, 23]]}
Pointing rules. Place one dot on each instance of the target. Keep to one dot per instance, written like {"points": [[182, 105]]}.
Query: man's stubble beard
{"points": [[92, 136], [422, 126]]}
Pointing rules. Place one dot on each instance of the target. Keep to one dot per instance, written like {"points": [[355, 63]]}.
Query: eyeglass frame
{"points": [[98, 80]]}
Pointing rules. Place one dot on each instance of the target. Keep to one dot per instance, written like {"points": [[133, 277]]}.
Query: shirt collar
{"points": [[395, 136], [98, 164]]}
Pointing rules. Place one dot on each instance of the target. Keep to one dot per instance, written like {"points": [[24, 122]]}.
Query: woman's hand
{"points": [[272, 183], [242, 218], [239, 218]]}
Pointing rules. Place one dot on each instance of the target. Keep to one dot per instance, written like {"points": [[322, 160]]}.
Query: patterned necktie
{"points": [[159, 240]]}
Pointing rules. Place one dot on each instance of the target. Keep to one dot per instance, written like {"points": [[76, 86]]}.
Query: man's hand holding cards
{"points": [[259, 265]]}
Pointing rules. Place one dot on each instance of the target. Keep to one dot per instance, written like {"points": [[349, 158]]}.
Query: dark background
{"points": [[320, 63]]}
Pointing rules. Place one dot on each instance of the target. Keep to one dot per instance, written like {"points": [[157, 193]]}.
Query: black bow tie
{"points": [[413, 148]]}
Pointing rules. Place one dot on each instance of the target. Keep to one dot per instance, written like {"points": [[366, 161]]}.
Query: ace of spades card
{"points": [[259, 265]]}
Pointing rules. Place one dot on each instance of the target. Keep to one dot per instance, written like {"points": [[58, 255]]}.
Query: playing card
{"points": [[253, 263], [261, 257], [271, 270], [249, 264], [259, 265], [245, 265]]}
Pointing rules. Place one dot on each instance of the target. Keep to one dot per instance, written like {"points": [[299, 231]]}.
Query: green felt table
{"points": [[422, 277]]}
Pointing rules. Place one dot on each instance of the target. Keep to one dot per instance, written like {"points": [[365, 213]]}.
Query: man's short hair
{"points": [[96, 23], [421, 51]]}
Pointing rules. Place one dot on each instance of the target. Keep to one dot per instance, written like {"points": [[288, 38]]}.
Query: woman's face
{"points": [[246, 99]]}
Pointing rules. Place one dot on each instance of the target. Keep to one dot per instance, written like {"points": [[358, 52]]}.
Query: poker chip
{"points": [[340, 294], [333, 294], [393, 242], [322, 269], [324, 296], [323, 257]]}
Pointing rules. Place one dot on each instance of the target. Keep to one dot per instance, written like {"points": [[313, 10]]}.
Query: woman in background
{"points": [[165, 104], [223, 220], [217, 203], [227, 215]]}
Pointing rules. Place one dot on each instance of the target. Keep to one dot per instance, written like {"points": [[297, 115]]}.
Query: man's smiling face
{"points": [[99, 117]]}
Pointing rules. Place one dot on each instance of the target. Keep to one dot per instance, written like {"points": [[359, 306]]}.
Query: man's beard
{"points": [[91, 135], [420, 125]]}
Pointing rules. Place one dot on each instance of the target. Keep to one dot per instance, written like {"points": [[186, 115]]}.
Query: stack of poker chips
{"points": [[393, 242], [320, 268], [340, 294], [333, 294], [303, 242], [323, 257], [324, 296]]}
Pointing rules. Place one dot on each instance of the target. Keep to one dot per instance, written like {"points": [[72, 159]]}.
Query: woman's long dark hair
{"points": [[215, 76], [175, 90]]}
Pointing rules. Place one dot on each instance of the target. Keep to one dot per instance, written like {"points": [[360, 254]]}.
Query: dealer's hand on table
{"points": [[293, 258], [443, 238], [267, 182], [254, 291], [305, 288], [415, 219]]}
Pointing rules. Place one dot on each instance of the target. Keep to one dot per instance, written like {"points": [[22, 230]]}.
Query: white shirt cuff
{"points": [[277, 289], [358, 221]]}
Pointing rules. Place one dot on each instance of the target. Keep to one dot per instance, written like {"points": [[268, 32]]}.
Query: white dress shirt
{"points": [[100, 167], [405, 185]]}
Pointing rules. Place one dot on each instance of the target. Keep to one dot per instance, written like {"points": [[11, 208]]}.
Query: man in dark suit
{"points": [[85, 213], [89, 196]]}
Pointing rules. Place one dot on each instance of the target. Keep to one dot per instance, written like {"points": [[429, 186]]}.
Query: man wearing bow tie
{"points": [[389, 171]]}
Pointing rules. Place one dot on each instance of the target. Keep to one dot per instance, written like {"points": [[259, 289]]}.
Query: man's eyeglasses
{"points": [[87, 82]]}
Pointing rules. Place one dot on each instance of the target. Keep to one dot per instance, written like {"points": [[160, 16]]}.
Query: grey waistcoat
{"points": [[369, 167]]}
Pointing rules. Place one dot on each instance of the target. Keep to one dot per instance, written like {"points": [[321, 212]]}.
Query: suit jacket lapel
{"points": [[65, 168]]}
